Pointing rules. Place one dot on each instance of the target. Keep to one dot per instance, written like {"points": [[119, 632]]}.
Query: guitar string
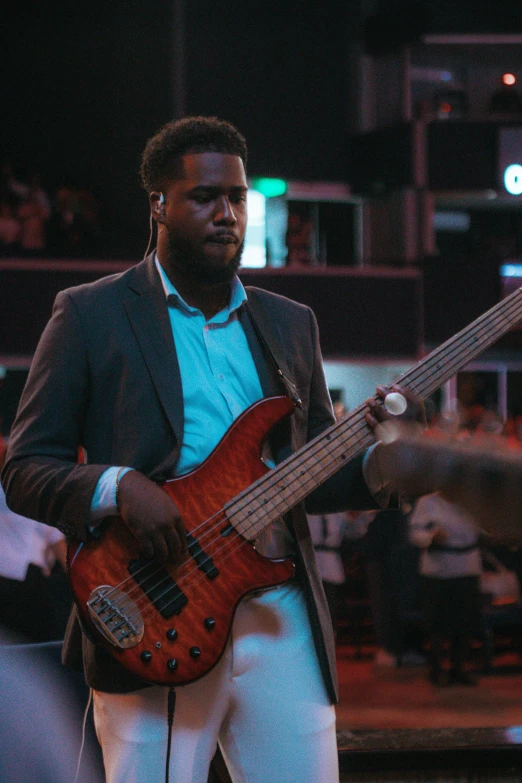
{"points": [[214, 554], [271, 477], [434, 356], [227, 543], [224, 518], [410, 376], [315, 457], [233, 546]]}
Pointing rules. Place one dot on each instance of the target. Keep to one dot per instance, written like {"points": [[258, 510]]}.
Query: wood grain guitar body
{"points": [[177, 621]]}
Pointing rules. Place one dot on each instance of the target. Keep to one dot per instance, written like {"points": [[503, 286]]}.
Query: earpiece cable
{"points": [[150, 236]]}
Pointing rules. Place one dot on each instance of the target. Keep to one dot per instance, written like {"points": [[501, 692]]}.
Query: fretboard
{"points": [[293, 480]]}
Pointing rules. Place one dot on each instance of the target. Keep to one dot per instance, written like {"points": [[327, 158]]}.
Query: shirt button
{"points": [[221, 377]]}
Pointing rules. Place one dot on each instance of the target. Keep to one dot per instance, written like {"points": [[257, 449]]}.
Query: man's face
{"points": [[205, 217]]}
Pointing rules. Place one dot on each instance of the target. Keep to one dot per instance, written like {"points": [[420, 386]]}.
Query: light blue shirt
{"points": [[219, 380]]}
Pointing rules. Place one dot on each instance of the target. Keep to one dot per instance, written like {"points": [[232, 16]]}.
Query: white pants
{"points": [[265, 703]]}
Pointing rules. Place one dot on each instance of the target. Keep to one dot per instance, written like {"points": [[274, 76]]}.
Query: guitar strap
{"points": [[269, 344], [268, 339]]}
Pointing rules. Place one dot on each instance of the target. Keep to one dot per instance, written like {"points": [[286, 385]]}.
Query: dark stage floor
{"points": [[402, 698]]}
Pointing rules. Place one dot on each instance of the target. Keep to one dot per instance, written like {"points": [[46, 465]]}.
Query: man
{"points": [[146, 370]]}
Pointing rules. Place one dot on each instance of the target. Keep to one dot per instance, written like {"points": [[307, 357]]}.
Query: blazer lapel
{"points": [[148, 314], [265, 344], [270, 338], [265, 366]]}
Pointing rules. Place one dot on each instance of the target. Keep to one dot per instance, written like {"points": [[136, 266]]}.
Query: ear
{"points": [[157, 205]]}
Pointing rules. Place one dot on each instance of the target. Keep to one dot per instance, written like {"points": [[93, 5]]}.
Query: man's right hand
{"points": [[153, 518]]}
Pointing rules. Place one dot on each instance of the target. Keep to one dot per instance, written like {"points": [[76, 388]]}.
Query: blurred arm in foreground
{"points": [[485, 482]]}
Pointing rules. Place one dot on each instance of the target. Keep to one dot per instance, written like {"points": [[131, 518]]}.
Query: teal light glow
{"points": [[269, 186]]}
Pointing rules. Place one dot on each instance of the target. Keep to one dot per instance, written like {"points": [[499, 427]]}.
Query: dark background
{"points": [[84, 85]]}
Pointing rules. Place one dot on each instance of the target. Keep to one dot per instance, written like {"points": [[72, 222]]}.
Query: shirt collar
{"points": [[237, 295]]}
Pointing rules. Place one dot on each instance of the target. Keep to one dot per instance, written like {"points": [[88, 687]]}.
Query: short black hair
{"points": [[161, 159]]}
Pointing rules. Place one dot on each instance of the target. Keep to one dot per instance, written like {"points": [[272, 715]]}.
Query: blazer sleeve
{"points": [[41, 477], [346, 489]]}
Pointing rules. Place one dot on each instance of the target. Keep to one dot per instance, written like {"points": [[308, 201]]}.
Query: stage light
{"points": [[451, 104], [509, 79], [511, 270], [513, 179]]}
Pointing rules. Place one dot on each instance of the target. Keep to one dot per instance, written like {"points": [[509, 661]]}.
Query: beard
{"points": [[194, 264]]}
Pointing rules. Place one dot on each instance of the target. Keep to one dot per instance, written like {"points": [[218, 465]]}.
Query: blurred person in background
{"points": [[9, 183], [450, 566], [35, 597], [328, 533], [391, 571], [34, 213], [10, 228], [74, 228]]}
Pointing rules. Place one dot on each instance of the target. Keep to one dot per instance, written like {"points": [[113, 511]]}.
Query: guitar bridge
{"points": [[116, 616]]}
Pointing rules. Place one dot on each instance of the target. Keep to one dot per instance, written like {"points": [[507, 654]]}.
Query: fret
{"points": [[257, 518], [304, 478]]}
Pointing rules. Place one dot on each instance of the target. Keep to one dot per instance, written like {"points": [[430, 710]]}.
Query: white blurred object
{"points": [[395, 403], [254, 252], [328, 532], [24, 541]]}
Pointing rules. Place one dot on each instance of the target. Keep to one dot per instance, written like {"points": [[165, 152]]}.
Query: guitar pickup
{"points": [[158, 585], [203, 561]]}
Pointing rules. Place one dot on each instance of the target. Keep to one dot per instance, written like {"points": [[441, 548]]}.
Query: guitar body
{"points": [[186, 612]]}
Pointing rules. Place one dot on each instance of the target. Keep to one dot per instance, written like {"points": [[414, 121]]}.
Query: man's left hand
{"points": [[377, 413]]}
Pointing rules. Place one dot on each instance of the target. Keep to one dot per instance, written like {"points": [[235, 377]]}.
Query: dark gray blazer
{"points": [[105, 376]]}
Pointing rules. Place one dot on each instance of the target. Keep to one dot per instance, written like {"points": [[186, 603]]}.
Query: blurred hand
{"points": [[153, 518], [52, 553], [484, 482], [399, 465]]}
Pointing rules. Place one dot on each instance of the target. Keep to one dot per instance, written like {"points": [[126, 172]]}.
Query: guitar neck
{"points": [[294, 479]]}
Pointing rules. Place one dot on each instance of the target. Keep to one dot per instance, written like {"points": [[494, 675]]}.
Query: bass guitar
{"points": [[170, 626]]}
